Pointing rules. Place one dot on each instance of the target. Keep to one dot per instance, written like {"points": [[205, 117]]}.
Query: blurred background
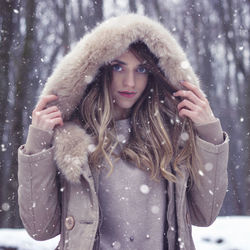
{"points": [[35, 35]]}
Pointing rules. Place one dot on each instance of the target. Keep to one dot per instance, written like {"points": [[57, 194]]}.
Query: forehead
{"points": [[128, 57]]}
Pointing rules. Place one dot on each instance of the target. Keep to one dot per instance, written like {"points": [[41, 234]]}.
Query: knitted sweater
{"points": [[132, 205]]}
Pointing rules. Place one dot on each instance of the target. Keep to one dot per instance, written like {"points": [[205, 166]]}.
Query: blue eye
{"points": [[141, 69], [117, 67]]}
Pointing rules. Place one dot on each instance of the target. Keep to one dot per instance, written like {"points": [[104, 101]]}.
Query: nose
{"points": [[129, 80]]}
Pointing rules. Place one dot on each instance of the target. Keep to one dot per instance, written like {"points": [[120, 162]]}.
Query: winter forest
{"points": [[35, 35]]}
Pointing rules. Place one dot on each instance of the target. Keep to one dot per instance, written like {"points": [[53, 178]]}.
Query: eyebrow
{"points": [[123, 63], [118, 61]]}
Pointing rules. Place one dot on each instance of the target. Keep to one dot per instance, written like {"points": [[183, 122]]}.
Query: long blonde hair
{"points": [[158, 136]]}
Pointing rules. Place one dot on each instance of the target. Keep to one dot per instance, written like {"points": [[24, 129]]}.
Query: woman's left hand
{"points": [[194, 104]]}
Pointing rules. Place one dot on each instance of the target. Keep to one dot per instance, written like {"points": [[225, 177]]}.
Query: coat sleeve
{"points": [[38, 195], [206, 195]]}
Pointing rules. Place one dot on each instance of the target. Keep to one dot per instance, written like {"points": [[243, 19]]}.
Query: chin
{"points": [[124, 105]]}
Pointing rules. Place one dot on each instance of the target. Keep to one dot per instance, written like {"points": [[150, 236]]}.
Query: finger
{"points": [[54, 115], [49, 124], [197, 91], [188, 113], [44, 101], [187, 104], [57, 121], [189, 95], [46, 111]]}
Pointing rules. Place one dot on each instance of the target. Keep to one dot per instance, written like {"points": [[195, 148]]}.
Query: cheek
{"points": [[116, 81], [114, 87], [143, 83]]}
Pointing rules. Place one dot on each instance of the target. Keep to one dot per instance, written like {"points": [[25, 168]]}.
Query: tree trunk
{"points": [[6, 14], [132, 6], [17, 133]]}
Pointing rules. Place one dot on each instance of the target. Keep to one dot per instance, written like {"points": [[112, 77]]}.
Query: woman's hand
{"points": [[46, 118], [194, 104]]}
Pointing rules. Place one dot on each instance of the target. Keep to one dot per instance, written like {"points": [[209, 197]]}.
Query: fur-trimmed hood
{"points": [[77, 69]]}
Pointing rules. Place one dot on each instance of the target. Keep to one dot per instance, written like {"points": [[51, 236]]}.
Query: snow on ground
{"points": [[227, 233]]}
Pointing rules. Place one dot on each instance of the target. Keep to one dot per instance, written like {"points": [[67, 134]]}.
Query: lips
{"points": [[127, 94]]}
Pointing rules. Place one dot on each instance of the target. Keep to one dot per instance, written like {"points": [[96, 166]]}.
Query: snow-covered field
{"points": [[227, 233]]}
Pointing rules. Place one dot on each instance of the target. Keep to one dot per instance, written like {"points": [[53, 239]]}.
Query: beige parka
{"points": [[58, 190]]}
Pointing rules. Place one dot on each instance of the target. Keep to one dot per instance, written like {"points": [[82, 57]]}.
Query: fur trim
{"points": [[107, 41], [77, 69], [72, 145]]}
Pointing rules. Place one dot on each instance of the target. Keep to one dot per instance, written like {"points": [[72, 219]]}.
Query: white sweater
{"points": [[132, 205]]}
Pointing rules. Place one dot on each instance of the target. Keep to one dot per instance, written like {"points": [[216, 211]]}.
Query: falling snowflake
{"points": [[6, 206], [201, 173], [144, 189], [177, 120], [181, 244], [184, 136], [185, 64], [208, 166], [155, 209], [121, 138], [116, 245], [3, 148]]}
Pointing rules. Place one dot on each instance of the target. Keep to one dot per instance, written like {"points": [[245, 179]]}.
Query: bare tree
{"points": [[7, 28], [132, 6], [20, 102], [230, 25], [93, 13]]}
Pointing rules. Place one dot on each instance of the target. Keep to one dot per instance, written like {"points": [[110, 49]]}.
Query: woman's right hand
{"points": [[46, 118]]}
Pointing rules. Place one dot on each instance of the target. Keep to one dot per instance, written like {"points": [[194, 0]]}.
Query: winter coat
{"points": [[58, 191]]}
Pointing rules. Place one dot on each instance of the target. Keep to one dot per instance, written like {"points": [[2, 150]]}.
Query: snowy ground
{"points": [[227, 233]]}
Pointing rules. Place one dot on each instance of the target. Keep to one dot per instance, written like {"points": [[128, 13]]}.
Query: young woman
{"points": [[124, 151]]}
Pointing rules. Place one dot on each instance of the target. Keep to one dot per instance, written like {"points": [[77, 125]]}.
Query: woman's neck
{"points": [[121, 114]]}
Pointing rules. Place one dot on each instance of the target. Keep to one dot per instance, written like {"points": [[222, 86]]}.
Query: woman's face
{"points": [[129, 80]]}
